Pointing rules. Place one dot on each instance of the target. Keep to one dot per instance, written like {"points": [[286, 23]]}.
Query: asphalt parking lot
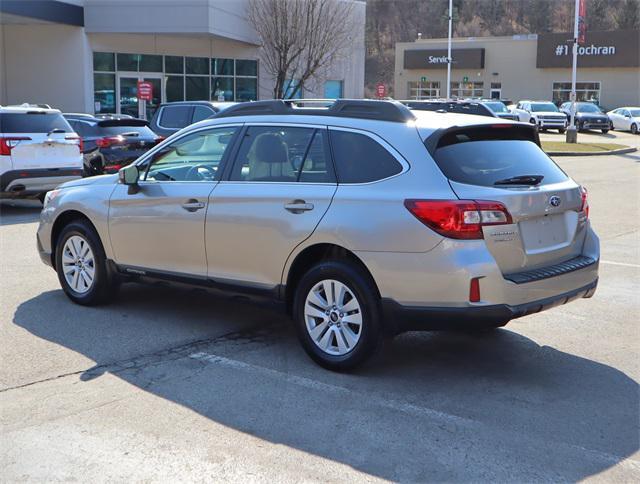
{"points": [[172, 383]]}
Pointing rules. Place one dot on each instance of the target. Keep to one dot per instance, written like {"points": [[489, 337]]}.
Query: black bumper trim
{"points": [[575, 264], [399, 318], [9, 176]]}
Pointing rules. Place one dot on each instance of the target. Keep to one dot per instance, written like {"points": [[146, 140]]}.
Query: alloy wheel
{"points": [[78, 264], [333, 317]]}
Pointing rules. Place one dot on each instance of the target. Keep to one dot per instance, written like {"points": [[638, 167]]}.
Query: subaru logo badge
{"points": [[555, 201]]}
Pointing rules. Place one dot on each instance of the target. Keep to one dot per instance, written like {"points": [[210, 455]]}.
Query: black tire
{"points": [[544, 130], [105, 284], [604, 131], [634, 128], [561, 130], [363, 288]]}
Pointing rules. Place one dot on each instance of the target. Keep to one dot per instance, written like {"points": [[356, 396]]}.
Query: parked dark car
{"points": [[454, 106], [588, 116], [110, 144], [172, 117]]}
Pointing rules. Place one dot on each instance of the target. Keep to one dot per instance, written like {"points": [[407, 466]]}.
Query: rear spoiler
{"points": [[105, 123], [480, 132]]}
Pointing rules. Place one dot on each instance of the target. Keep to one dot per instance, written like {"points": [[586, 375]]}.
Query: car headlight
{"points": [[49, 197]]}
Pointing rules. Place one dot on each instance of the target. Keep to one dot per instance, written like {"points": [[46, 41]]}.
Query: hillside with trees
{"points": [[391, 21]]}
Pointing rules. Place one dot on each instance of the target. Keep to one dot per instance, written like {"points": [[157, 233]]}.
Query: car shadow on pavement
{"points": [[428, 408], [19, 212]]}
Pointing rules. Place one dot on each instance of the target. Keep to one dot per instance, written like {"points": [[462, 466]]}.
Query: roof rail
{"points": [[342, 108]]}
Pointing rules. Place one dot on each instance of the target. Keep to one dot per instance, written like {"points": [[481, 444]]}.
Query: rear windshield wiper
{"points": [[521, 180], [56, 130], [130, 133]]}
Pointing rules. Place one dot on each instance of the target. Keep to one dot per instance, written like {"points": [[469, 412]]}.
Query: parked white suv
{"points": [[38, 151], [544, 114]]}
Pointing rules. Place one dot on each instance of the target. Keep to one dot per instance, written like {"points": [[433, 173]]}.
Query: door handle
{"points": [[298, 206], [193, 205]]}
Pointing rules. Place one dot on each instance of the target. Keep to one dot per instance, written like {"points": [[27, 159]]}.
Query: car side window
{"points": [[282, 154], [361, 159], [201, 112], [195, 157], [175, 116]]}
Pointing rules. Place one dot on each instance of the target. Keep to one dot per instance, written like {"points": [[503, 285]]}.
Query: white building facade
{"points": [[89, 55]]}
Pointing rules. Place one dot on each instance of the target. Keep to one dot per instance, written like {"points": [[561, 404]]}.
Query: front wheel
{"points": [[561, 130], [604, 131], [337, 315], [634, 128], [81, 265]]}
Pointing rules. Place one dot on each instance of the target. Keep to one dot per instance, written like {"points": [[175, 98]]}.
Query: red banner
{"points": [[381, 90], [582, 21]]}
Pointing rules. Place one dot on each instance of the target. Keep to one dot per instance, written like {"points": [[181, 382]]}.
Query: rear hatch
{"points": [[40, 140], [504, 163], [121, 141]]}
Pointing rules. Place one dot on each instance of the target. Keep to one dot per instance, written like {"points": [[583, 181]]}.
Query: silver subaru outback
{"points": [[363, 218]]}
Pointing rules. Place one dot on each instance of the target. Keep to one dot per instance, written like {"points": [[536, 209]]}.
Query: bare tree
{"points": [[300, 39]]}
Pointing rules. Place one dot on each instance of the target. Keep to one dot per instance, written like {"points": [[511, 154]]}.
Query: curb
{"points": [[621, 151]]}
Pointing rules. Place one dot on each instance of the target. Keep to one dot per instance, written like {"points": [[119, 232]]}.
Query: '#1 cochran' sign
{"points": [[618, 48]]}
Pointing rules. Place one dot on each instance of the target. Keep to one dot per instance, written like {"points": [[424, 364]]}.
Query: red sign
{"points": [[381, 90], [582, 21], [145, 91]]}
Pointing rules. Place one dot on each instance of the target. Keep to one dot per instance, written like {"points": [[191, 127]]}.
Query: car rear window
{"points": [[175, 116], [143, 131], [484, 156], [33, 123]]}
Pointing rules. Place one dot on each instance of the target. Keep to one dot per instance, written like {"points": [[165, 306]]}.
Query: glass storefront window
{"points": [[222, 89], [423, 90], [222, 67], [197, 65], [467, 89], [246, 89], [197, 88], [104, 93], [246, 67], [151, 63], [104, 61], [333, 89], [174, 64], [585, 91], [174, 88]]}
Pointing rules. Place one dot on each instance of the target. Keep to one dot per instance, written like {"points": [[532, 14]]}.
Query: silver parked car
{"points": [[364, 218]]}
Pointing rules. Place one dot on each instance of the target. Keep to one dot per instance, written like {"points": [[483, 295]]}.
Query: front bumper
{"points": [[552, 123], [422, 318], [594, 124]]}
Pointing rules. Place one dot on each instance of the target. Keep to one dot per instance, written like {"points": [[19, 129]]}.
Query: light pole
{"points": [[449, 50], [572, 132]]}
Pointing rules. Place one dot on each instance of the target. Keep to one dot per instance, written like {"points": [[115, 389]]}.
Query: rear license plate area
{"points": [[543, 233]]}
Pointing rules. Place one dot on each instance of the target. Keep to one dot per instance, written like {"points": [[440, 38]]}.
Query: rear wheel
{"points": [[337, 315], [81, 265]]}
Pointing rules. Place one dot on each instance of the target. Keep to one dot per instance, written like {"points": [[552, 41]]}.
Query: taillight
{"points": [[108, 141], [79, 140], [459, 219], [585, 202], [160, 139], [7, 144]]}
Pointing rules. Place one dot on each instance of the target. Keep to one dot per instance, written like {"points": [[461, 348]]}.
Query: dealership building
{"points": [[534, 67], [88, 55]]}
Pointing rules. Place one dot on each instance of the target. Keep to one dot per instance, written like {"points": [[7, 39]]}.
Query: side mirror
{"points": [[129, 176]]}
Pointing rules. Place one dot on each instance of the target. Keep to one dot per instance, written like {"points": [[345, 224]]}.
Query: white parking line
{"points": [[395, 405], [624, 264]]}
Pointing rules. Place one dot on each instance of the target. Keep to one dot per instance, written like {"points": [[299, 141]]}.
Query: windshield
{"points": [[588, 108], [635, 113], [497, 107], [540, 107]]}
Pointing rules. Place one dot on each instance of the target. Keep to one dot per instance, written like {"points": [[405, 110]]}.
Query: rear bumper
{"points": [[417, 318], [31, 182]]}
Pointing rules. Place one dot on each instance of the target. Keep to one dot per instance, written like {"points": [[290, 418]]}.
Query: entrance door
{"points": [[496, 93], [128, 102]]}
